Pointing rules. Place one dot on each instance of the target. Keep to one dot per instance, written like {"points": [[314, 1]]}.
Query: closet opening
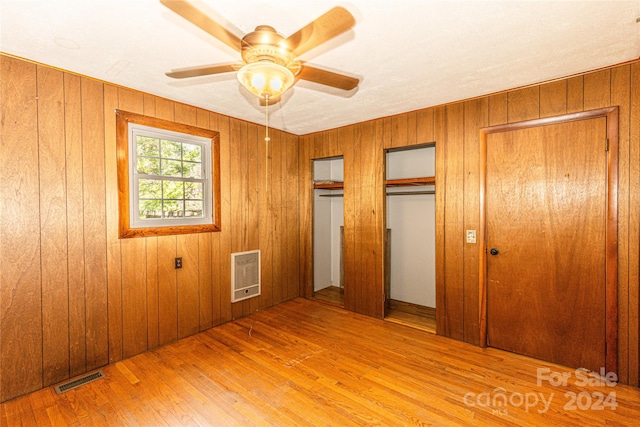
{"points": [[328, 230], [410, 243]]}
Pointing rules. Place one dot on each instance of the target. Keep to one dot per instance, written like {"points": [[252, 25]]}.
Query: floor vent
{"points": [[245, 275], [79, 381]]}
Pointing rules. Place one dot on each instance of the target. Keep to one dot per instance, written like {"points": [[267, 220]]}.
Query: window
{"points": [[168, 177]]}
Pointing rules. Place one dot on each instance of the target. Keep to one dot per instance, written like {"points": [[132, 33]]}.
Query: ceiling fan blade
{"points": [[328, 78], [203, 70], [336, 21], [192, 14]]}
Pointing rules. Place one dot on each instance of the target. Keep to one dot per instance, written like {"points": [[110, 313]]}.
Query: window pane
{"points": [[192, 170], [191, 152], [173, 189], [147, 146], [173, 208], [148, 166], [193, 209], [193, 190], [172, 168], [171, 150], [150, 189], [150, 209]]}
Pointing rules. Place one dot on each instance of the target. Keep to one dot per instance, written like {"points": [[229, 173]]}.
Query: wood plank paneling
{"points": [[238, 149], [134, 296], [215, 259], [306, 213], [75, 229], [475, 117], [575, 94], [153, 294], [523, 104], [597, 90], [20, 276], [424, 126], [292, 214], [620, 95], [100, 298], [94, 223], [133, 258], [264, 218], [225, 212], [167, 289], [53, 225], [100, 266], [205, 284], [187, 285], [453, 145], [412, 128], [634, 226], [205, 273], [334, 144], [351, 211], [399, 130], [553, 99], [498, 109], [277, 222], [455, 131], [252, 200], [371, 223], [114, 253]]}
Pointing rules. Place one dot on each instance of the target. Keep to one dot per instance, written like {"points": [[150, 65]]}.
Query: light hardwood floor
{"points": [[305, 363], [331, 294], [409, 314]]}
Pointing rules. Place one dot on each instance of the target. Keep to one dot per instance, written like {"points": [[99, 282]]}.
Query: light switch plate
{"points": [[471, 236]]}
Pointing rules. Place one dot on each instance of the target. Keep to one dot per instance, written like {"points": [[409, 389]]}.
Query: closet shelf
{"points": [[403, 182], [410, 182], [328, 185]]}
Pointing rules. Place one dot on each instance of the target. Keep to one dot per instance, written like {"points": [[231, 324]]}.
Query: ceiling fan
{"points": [[269, 61]]}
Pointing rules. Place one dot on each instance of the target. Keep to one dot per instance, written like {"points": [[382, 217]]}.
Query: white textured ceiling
{"points": [[409, 54]]}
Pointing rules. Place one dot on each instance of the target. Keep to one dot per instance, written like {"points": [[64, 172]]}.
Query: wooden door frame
{"points": [[611, 229]]}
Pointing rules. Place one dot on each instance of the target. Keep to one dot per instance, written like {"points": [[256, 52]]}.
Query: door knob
{"points": [[494, 251]]}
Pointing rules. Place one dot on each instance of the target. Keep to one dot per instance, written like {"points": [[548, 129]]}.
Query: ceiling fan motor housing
{"points": [[265, 44]]}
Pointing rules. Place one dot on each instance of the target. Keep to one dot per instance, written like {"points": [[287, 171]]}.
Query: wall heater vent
{"points": [[85, 379], [245, 275]]}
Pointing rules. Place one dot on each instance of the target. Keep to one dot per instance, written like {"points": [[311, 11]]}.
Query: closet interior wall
{"points": [[411, 221], [328, 219]]}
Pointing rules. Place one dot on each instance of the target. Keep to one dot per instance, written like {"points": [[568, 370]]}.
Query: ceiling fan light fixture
{"points": [[265, 79]]}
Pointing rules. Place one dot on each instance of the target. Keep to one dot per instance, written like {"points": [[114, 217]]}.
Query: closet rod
{"points": [[408, 193]]}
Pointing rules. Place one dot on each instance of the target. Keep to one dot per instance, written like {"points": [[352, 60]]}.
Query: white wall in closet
{"points": [[328, 215], [411, 219]]}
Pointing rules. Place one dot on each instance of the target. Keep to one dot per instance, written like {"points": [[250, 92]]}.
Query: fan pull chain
{"points": [[266, 140]]}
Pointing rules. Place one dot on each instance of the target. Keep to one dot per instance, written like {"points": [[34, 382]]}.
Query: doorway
{"points": [[328, 223], [548, 250], [410, 242]]}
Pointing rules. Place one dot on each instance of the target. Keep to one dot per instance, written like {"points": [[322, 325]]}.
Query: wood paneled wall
{"points": [[74, 297], [455, 130]]}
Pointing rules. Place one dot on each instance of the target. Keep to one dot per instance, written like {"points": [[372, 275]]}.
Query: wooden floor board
{"points": [[409, 314], [331, 295], [302, 363]]}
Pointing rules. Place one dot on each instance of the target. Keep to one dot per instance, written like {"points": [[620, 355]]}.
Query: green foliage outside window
{"points": [[163, 166]]}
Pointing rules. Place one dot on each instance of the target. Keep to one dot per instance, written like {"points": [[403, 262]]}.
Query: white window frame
{"points": [[135, 130]]}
